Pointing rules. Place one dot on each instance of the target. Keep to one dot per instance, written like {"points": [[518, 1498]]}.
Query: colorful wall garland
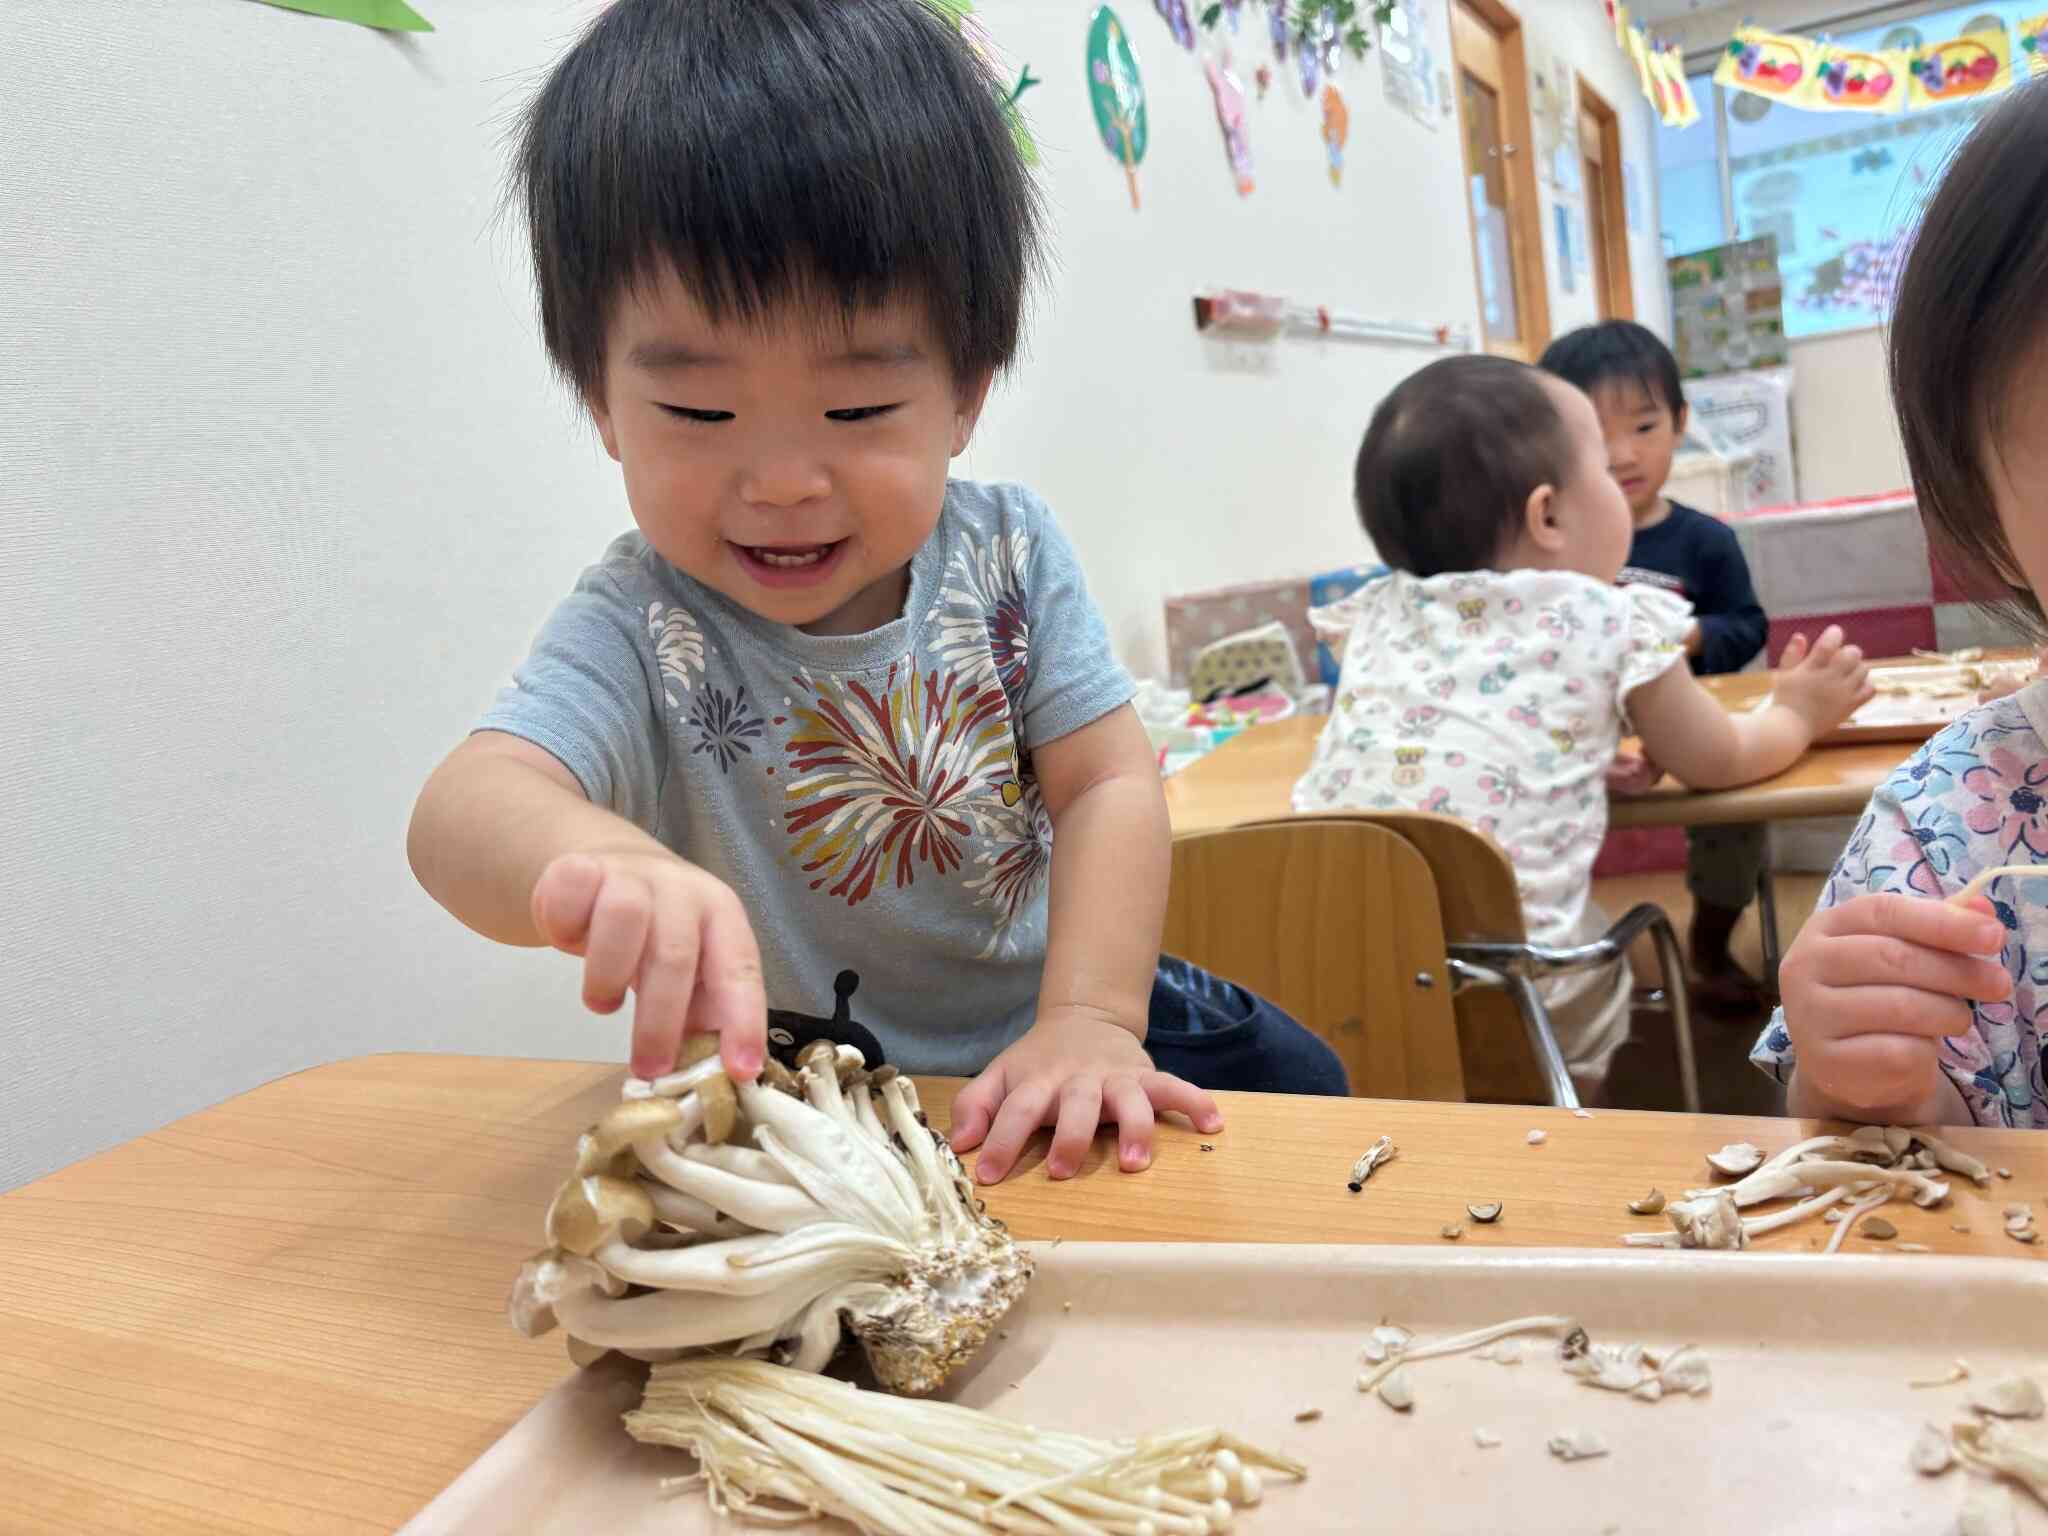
{"points": [[1817, 75], [1660, 68]]}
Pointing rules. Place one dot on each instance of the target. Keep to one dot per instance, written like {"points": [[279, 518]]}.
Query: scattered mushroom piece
{"points": [[1709, 1223], [2016, 1397], [1988, 1447], [1913, 1248], [1452, 1231], [1393, 1337], [1686, 1370], [1537, 1138], [1485, 1213], [1831, 1217], [1485, 1439], [1395, 1391], [1649, 1205], [1960, 1371], [1932, 1455], [1987, 1511], [1878, 1230], [1505, 1352], [1582, 1114], [1308, 1415], [1379, 1152], [1577, 1445], [1736, 1159], [1856, 1213], [2005, 1173], [1461, 1343]]}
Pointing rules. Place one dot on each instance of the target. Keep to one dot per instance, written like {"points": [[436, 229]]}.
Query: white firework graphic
{"points": [[678, 646]]}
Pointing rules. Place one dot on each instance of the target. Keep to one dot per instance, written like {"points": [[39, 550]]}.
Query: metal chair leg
{"points": [[1767, 926], [1543, 1041], [1679, 999]]}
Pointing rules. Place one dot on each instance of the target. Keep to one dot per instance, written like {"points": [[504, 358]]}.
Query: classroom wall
{"points": [[285, 487]]}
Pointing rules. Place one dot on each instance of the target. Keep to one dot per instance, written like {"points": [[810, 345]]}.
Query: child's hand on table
{"points": [[1073, 1070], [674, 936], [1870, 988], [1825, 682], [1632, 773], [2010, 683]]}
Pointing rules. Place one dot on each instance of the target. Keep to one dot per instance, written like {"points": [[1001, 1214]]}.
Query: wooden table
{"points": [[1251, 778], [287, 1313]]}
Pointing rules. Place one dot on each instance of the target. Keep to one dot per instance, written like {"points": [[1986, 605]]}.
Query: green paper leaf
{"points": [[1115, 89], [384, 15], [1212, 15]]}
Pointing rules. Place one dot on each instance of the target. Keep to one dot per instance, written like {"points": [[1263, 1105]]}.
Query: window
{"points": [[1840, 191]]}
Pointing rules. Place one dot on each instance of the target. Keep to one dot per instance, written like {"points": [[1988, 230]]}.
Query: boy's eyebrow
{"points": [[660, 355], [897, 354]]}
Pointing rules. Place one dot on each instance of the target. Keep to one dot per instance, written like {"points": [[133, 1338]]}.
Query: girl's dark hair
{"points": [[835, 152], [1968, 310], [1447, 465], [1616, 351]]}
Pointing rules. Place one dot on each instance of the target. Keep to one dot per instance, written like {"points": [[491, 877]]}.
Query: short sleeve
{"points": [[1657, 622], [583, 694], [1072, 676]]}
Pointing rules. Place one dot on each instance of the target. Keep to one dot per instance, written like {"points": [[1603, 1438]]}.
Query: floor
{"points": [[1645, 1074]]}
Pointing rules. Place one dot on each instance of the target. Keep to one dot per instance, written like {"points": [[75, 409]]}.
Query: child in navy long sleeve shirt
{"points": [[1633, 381]]}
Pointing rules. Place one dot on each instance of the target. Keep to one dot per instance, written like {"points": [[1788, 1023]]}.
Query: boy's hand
{"points": [[1073, 1070], [1632, 773], [1870, 986], [1823, 684], [675, 937]]}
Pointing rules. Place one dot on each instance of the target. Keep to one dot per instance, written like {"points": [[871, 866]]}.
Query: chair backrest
{"points": [[1336, 921], [1479, 902]]}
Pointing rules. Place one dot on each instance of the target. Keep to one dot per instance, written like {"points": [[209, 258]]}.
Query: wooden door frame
{"points": [[1613, 202], [1525, 242]]}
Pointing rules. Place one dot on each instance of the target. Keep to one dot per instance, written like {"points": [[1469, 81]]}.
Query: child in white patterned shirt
{"points": [[1487, 677]]}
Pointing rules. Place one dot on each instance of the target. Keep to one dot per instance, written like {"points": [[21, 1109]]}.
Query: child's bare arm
{"points": [[1687, 731], [503, 837], [1083, 1061]]}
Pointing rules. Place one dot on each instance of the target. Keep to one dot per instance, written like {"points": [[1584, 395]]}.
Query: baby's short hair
{"points": [[838, 153], [1450, 459]]}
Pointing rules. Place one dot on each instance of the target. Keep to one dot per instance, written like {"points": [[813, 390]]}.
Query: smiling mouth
{"points": [[789, 557]]}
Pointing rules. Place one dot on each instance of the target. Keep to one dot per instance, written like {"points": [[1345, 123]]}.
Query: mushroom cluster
{"points": [[1869, 1168], [768, 1219]]}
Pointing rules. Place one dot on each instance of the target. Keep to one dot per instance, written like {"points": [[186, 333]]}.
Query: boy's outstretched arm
{"points": [[503, 837], [1083, 1061]]}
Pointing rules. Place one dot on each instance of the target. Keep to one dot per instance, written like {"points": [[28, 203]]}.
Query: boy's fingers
{"points": [[1022, 1113], [618, 937], [1968, 930], [1124, 1099], [1794, 652], [1868, 962], [562, 899], [974, 1108], [1080, 1113], [669, 969], [731, 997], [1171, 1095]]}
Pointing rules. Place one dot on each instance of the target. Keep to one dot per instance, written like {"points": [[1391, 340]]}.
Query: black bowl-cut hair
{"points": [[1617, 352], [831, 153], [1967, 314], [1448, 464]]}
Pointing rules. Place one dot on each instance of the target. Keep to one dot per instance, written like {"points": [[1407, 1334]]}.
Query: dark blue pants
{"points": [[1217, 1035]]}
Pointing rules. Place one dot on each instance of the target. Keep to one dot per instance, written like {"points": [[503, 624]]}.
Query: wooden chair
{"points": [[1441, 931]]}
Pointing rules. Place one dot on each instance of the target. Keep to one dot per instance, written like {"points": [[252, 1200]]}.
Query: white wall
{"points": [[285, 488]]}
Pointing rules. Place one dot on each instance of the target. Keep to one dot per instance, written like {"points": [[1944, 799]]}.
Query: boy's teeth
{"points": [[788, 557]]}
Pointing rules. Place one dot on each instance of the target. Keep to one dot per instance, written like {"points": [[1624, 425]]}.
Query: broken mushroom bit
{"points": [[778, 1445], [770, 1218], [1395, 1391], [1486, 1212], [1577, 1445], [1537, 1138], [2016, 1397], [1452, 1231], [1649, 1205], [1989, 1447], [1735, 1159], [2019, 1223], [1931, 1454], [1379, 1152]]}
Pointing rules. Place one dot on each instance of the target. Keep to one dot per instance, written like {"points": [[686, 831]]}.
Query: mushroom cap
{"points": [[1736, 1159], [631, 1120], [714, 1095], [590, 1209], [544, 1279]]}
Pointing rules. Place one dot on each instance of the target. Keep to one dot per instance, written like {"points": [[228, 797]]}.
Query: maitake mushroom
{"points": [[763, 1218]]}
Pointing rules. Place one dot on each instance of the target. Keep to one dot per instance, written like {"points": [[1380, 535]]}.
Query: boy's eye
{"points": [[691, 413], [860, 413]]}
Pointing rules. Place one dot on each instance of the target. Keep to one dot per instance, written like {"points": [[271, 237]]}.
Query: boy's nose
{"points": [[784, 480]]}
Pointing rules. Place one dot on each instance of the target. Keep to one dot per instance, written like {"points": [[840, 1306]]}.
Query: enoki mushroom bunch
{"points": [[767, 1219], [778, 1445], [1869, 1168]]}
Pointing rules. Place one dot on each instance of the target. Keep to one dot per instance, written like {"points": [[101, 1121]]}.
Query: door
{"points": [[1606, 205], [1500, 178]]}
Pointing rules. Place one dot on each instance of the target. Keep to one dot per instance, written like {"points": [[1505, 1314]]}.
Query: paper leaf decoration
{"points": [[384, 15], [1977, 65], [2034, 44], [1117, 93], [1766, 64], [1175, 14], [1237, 145], [1336, 131]]}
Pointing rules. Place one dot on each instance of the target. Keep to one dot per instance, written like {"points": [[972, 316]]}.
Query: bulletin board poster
{"points": [[1728, 308]]}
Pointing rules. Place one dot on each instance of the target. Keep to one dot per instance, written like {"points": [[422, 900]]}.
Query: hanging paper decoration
{"points": [[1309, 63], [962, 12], [2034, 43], [384, 15], [1659, 71], [1230, 117], [1851, 81], [1233, 12], [1117, 92], [1175, 13], [1276, 28], [1264, 76], [1766, 63], [1977, 65], [1336, 131]]}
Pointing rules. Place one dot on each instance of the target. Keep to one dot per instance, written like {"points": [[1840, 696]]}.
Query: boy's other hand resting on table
{"points": [[674, 936], [1632, 773], [1073, 1070], [1871, 987]]}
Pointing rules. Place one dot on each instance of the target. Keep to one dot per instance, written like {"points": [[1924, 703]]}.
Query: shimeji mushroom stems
{"points": [[1988, 1448], [777, 1205], [822, 1090], [1854, 1214], [902, 1105], [1479, 1338]]}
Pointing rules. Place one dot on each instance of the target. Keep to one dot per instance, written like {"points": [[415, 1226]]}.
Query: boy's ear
{"points": [[1680, 417], [602, 416], [968, 401], [1540, 520]]}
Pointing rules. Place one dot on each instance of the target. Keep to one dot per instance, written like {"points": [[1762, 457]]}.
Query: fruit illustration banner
{"points": [[2034, 43], [1819, 76], [1659, 70]]}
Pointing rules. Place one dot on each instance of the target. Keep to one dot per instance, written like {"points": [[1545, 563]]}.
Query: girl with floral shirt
{"points": [[1899, 1005], [1486, 678]]}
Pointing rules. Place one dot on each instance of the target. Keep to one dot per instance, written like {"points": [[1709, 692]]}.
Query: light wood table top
{"points": [[287, 1313], [1251, 777]]}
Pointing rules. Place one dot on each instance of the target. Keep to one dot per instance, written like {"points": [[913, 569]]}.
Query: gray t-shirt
{"points": [[869, 797]]}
